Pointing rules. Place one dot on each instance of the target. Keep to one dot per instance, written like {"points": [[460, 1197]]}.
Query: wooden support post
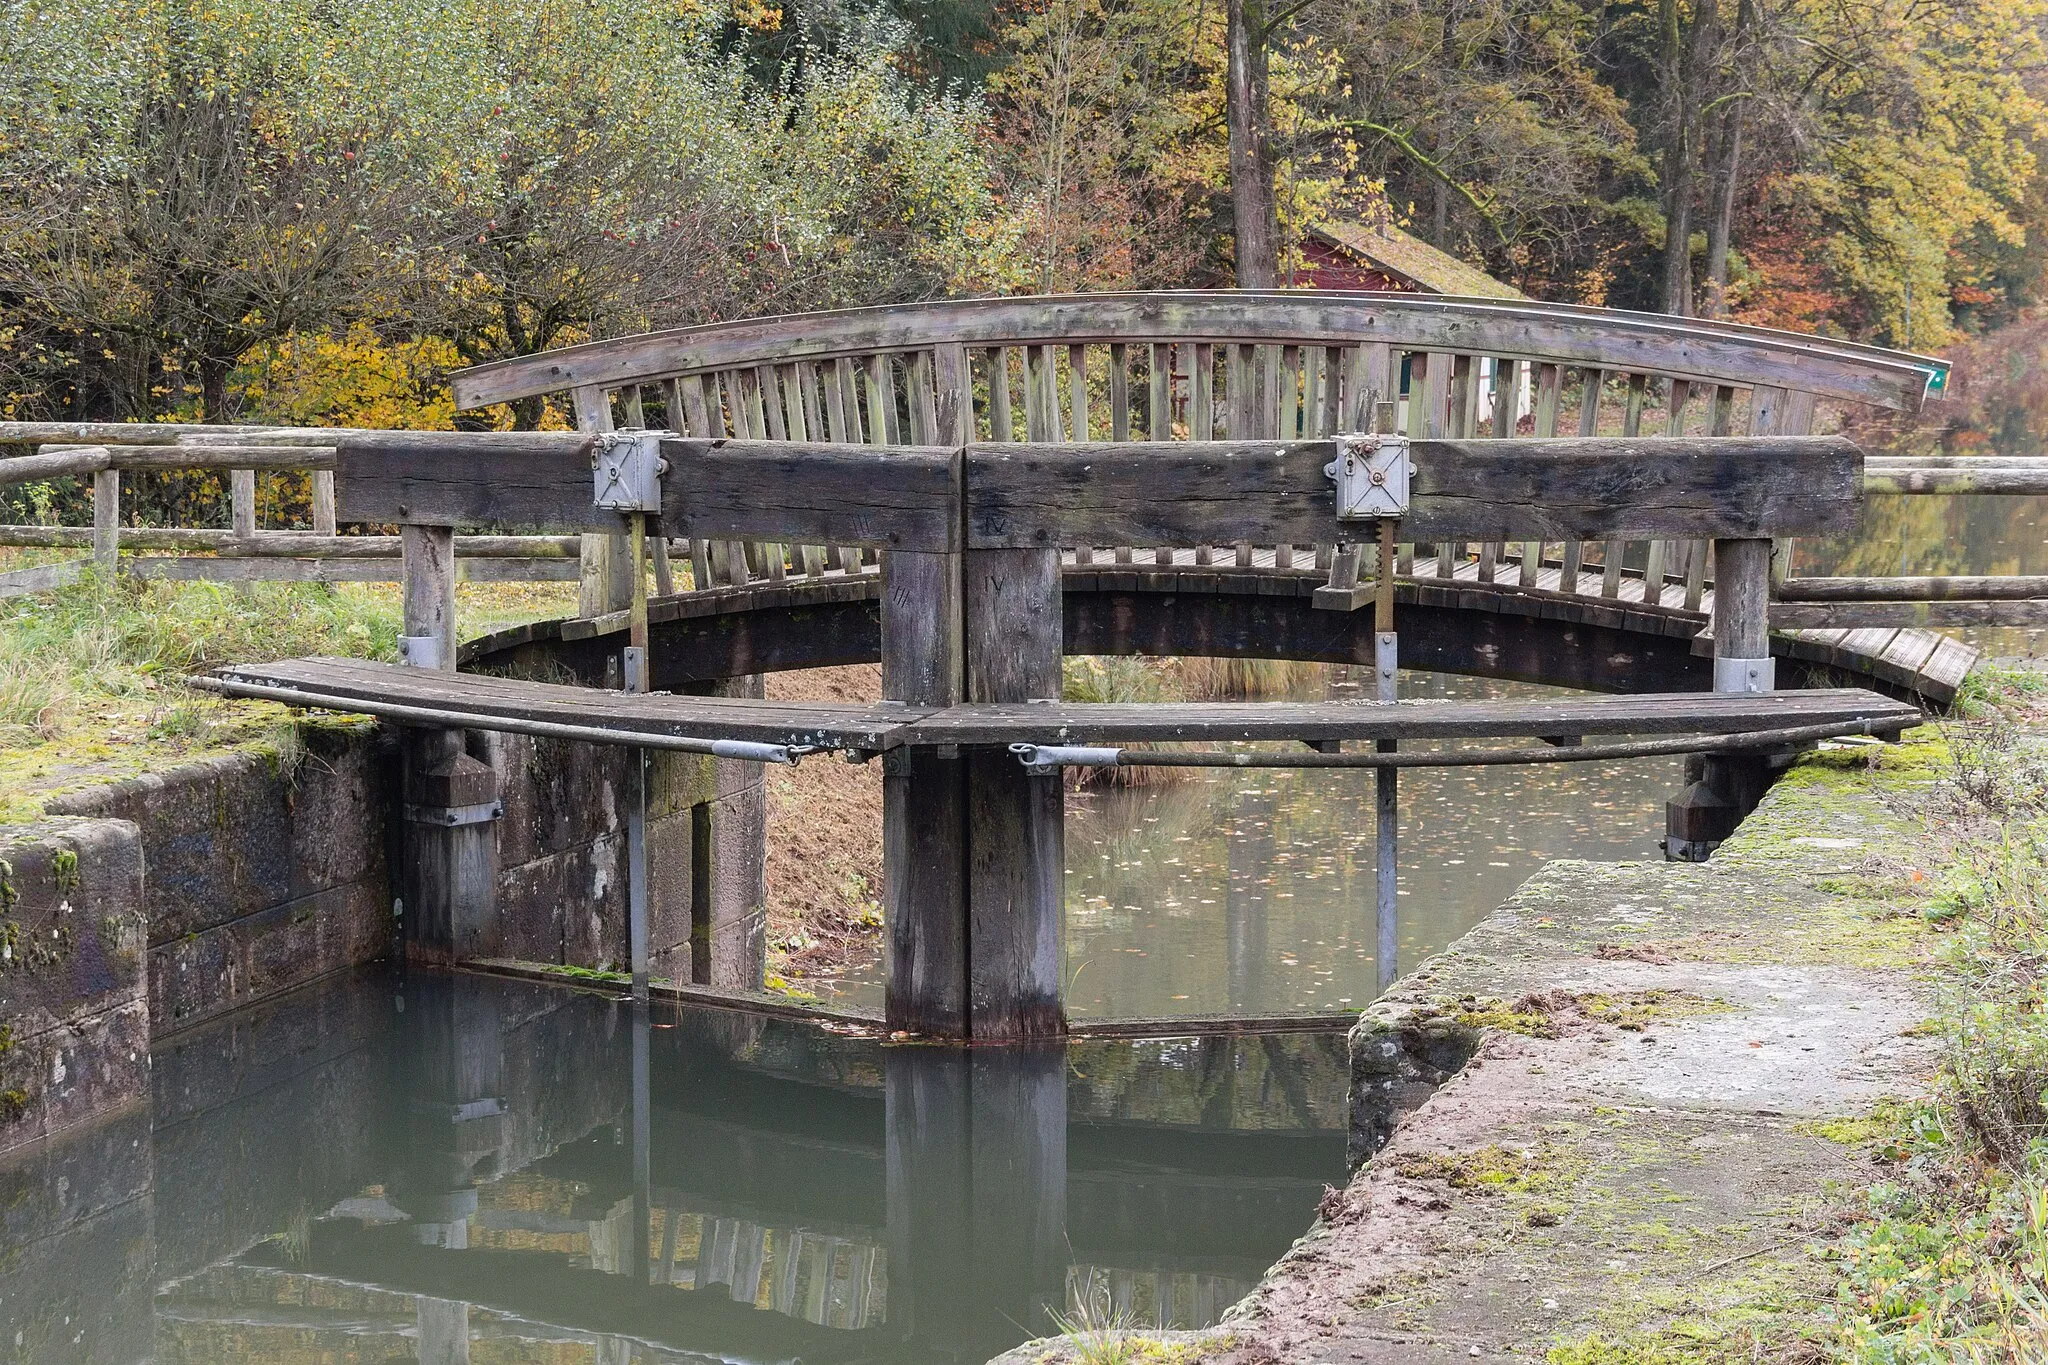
{"points": [[1722, 788], [924, 800], [607, 583], [449, 879], [106, 519], [1015, 834]]}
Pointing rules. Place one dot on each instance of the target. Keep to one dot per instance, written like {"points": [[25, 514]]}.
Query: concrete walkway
{"points": [[1632, 1081]]}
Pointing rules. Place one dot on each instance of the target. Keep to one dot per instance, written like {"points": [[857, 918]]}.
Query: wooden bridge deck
{"points": [[349, 684]]}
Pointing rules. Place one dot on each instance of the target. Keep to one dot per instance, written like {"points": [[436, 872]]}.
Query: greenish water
{"points": [[459, 1168], [1252, 891]]}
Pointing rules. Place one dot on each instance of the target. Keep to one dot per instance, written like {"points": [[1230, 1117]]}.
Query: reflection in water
{"points": [[1946, 535], [450, 1169], [1252, 890]]}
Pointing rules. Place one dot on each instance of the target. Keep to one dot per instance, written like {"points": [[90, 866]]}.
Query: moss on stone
{"points": [[1498, 1170]]}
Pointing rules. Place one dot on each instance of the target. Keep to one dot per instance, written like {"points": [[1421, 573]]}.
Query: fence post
{"points": [[451, 800], [323, 502], [242, 499], [106, 519]]}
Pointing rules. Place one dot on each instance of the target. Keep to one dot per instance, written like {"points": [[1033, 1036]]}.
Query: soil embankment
{"points": [[824, 844]]}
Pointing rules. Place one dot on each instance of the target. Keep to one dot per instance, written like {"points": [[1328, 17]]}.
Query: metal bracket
{"points": [[1372, 475], [420, 651], [627, 468], [1745, 675], [1041, 760], [635, 658], [1386, 665], [453, 817]]}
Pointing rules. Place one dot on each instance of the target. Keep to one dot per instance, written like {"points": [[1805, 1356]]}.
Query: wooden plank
{"points": [[900, 497], [1271, 492], [1213, 722], [1691, 348], [485, 698], [42, 577], [398, 477]]}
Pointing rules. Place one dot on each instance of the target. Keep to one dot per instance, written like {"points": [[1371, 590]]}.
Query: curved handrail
{"points": [[1607, 339]]}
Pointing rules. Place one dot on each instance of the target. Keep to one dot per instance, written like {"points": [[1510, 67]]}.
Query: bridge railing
{"points": [[1225, 365]]}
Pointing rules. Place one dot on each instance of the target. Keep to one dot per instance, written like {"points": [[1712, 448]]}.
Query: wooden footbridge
{"points": [[966, 491]]}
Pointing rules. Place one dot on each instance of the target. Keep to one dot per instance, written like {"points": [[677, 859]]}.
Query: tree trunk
{"points": [[1727, 163], [1251, 154], [1685, 58]]}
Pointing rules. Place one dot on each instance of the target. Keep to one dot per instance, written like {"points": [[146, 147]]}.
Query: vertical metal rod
{"points": [[1387, 806], [636, 764]]}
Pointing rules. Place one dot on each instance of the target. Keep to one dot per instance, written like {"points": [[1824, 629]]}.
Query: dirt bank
{"points": [[824, 845]]}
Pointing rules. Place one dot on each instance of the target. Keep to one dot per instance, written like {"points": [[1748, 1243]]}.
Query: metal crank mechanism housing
{"points": [[1371, 474], [627, 468]]}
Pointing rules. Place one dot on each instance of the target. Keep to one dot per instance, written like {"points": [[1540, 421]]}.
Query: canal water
{"points": [[459, 1168], [1251, 891]]}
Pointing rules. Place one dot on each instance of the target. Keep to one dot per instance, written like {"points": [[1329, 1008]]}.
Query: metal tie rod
{"points": [[751, 751], [1046, 758]]}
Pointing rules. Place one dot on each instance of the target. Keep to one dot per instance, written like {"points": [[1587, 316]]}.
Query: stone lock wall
{"points": [[148, 906], [74, 1016]]}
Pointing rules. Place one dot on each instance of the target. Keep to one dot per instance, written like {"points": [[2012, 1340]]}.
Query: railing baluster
{"points": [[1034, 394], [1077, 389], [1119, 392], [881, 424], [1159, 413], [999, 409], [924, 415], [1549, 385]]}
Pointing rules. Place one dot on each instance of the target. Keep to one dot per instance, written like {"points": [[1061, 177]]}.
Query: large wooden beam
{"points": [[526, 479], [1275, 492], [892, 497]]}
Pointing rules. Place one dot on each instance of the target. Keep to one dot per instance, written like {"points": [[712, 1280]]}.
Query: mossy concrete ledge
{"points": [[74, 1012], [1596, 1128]]}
